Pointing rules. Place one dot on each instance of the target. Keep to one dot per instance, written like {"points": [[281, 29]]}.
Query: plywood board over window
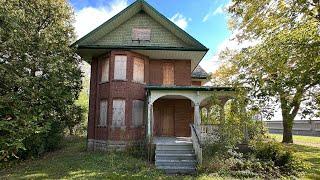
{"points": [[137, 112], [118, 114], [120, 67], [138, 70], [141, 34], [103, 113], [168, 74], [104, 70]]}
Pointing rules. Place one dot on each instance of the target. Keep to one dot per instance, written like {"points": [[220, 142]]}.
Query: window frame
{"points": [[100, 124], [115, 119], [136, 123], [136, 77], [116, 72], [164, 72], [104, 63]]}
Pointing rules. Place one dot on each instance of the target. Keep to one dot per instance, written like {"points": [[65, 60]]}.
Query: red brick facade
{"points": [[129, 91]]}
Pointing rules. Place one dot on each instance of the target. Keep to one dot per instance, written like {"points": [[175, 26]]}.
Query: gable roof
{"points": [[88, 46], [199, 73]]}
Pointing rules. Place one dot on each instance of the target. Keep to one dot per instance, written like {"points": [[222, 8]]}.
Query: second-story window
{"points": [[105, 70], [120, 67], [138, 70], [168, 74]]}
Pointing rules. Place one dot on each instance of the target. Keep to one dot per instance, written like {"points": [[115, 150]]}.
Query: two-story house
{"points": [[146, 85]]}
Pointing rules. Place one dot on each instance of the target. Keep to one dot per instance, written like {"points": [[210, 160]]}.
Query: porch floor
{"points": [[172, 140]]}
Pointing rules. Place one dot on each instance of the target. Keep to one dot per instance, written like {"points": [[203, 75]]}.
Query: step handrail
{"points": [[196, 143], [196, 133]]}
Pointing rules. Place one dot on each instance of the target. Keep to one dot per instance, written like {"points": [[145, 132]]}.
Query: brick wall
{"points": [[182, 72], [129, 91]]}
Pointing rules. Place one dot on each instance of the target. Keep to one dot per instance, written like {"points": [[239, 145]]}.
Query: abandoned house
{"points": [[147, 87]]}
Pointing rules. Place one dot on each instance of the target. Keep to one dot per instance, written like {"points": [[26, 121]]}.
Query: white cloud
{"points": [[180, 20], [88, 18], [218, 10], [213, 63]]}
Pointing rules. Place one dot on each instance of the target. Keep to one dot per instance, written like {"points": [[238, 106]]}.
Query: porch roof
{"points": [[189, 88]]}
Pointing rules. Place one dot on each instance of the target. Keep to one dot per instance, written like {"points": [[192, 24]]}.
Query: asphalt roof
{"points": [[199, 73]]}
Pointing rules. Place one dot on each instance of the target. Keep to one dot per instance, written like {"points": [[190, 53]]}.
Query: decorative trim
{"points": [[142, 48], [190, 88]]}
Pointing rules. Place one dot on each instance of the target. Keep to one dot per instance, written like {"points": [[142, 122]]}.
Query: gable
{"points": [[159, 35], [166, 39]]}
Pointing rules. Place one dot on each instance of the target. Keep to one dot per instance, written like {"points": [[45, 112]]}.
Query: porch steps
{"points": [[175, 157]]}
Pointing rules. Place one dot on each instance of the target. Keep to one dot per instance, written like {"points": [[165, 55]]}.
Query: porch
{"points": [[166, 131]]}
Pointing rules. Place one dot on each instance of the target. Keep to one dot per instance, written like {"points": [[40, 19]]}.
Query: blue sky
{"points": [[206, 20]]}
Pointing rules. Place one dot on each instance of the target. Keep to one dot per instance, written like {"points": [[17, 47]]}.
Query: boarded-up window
{"points": [[105, 70], [168, 74], [118, 114], [137, 112], [138, 70], [120, 67], [141, 34], [103, 113]]}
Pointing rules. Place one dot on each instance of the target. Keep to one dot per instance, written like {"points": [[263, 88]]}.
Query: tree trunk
{"points": [[287, 130], [289, 112]]}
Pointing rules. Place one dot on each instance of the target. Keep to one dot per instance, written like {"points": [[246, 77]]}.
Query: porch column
{"points": [[207, 115], [197, 116], [150, 121], [222, 104]]}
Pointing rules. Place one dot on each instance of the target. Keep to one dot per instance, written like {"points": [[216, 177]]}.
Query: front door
{"points": [[167, 125]]}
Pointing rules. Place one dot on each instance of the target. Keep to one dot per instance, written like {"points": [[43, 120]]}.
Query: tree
{"points": [[74, 116], [40, 74], [283, 64]]}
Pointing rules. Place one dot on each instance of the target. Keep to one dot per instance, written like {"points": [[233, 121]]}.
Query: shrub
{"points": [[265, 160], [282, 156]]}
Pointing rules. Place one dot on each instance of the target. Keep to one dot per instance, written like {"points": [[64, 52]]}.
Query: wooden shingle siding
{"points": [[120, 67], [103, 113], [137, 112], [118, 113], [160, 36], [105, 70], [138, 70], [168, 74]]}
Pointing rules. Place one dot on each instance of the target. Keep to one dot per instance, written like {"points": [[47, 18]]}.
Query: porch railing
{"points": [[195, 136], [209, 132]]}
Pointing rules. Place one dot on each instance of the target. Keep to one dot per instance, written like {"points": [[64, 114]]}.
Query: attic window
{"points": [[141, 34]]}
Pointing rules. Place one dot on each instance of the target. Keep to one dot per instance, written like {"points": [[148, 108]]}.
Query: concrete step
{"points": [[190, 156], [174, 147], [183, 163], [189, 151], [178, 169]]}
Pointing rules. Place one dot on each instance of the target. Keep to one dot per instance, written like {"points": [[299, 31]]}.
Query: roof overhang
{"points": [[190, 88], [162, 53]]}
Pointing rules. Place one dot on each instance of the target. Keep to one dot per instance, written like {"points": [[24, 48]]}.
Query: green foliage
{"points": [[265, 160], [281, 156], [74, 116], [237, 119], [40, 75], [282, 65], [74, 162]]}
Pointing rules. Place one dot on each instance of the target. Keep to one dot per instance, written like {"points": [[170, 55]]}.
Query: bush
{"points": [[282, 157], [265, 160]]}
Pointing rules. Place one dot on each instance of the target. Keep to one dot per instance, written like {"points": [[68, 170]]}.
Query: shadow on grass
{"points": [[312, 156]]}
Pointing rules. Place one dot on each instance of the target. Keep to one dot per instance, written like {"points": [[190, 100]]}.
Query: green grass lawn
{"points": [[301, 140], [307, 148], [74, 162]]}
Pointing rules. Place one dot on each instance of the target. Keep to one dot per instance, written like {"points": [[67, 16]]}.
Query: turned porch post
{"points": [[197, 116]]}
